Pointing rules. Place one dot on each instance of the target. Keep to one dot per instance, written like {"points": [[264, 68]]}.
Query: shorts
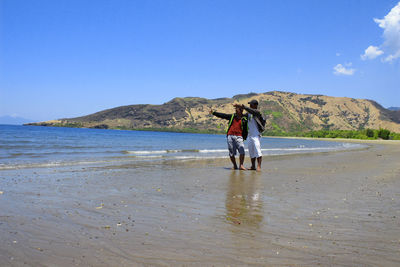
{"points": [[254, 147], [235, 143]]}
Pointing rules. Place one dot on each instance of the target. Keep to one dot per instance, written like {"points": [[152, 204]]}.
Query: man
{"points": [[236, 133], [256, 125]]}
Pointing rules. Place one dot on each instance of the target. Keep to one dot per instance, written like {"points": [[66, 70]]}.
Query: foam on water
{"points": [[31, 147]]}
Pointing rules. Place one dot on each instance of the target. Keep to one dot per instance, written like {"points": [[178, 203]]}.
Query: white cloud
{"points": [[339, 69], [371, 52], [338, 54], [391, 33]]}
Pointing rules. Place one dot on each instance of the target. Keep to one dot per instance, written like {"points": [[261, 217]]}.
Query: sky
{"points": [[69, 58]]}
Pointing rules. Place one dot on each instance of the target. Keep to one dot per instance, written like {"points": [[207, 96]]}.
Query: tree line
{"points": [[371, 134]]}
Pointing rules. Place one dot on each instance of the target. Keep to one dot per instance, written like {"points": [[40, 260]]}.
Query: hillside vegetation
{"points": [[286, 113]]}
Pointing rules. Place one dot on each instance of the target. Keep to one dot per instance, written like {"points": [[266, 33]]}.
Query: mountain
{"points": [[13, 120], [394, 108], [285, 112]]}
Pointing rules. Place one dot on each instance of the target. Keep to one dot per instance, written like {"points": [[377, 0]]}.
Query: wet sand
{"points": [[323, 209]]}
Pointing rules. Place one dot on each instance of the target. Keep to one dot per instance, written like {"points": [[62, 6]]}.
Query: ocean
{"points": [[33, 146]]}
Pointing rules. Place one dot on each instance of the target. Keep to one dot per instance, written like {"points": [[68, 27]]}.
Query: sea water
{"points": [[35, 146]]}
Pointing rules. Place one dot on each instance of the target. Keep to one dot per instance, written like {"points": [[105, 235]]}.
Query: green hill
{"points": [[285, 112]]}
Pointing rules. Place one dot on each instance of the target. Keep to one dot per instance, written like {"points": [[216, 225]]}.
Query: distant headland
{"points": [[286, 113]]}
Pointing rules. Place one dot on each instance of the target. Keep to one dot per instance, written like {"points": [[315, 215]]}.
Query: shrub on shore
{"points": [[370, 134]]}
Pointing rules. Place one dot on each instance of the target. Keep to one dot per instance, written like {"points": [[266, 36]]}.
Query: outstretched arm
{"points": [[255, 112], [220, 115], [252, 111]]}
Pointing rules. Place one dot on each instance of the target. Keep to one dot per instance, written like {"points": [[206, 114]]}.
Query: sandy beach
{"points": [[322, 209]]}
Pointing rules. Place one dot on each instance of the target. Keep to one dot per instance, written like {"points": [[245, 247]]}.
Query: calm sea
{"points": [[33, 146]]}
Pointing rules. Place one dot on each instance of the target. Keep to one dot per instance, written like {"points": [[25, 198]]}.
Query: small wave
{"points": [[160, 151], [32, 165], [196, 157], [144, 152], [149, 157], [20, 154], [16, 141], [210, 151], [213, 150], [13, 146], [304, 148], [190, 150], [51, 164], [298, 149]]}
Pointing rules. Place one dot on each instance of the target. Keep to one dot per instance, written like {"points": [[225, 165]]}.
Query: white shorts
{"points": [[254, 147]]}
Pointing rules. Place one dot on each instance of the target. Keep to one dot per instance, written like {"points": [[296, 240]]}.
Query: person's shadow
{"points": [[243, 199]]}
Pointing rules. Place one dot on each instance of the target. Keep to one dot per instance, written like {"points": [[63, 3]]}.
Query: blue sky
{"points": [[69, 58]]}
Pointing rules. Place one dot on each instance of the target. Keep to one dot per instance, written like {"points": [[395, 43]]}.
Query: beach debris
{"points": [[158, 189], [310, 224], [100, 207], [107, 227], [235, 221], [119, 224], [1, 192]]}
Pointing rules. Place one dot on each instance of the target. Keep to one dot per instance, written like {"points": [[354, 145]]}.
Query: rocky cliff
{"points": [[285, 112]]}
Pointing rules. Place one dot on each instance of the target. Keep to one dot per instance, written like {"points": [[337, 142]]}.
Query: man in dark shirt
{"points": [[236, 133]]}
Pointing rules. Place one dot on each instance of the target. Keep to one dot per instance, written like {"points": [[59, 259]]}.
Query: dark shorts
{"points": [[235, 143]]}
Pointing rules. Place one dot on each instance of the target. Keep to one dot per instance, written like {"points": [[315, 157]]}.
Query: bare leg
{"points": [[234, 162], [259, 160], [241, 158], [253, 164]]}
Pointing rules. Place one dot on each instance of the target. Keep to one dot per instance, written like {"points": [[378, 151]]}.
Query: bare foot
{"points": [[242, 168], [252, 168], [258, 169], [234, 168]]}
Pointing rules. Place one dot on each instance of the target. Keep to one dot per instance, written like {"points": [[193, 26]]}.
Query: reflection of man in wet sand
{"points": [[236, 133], [243, 203]]}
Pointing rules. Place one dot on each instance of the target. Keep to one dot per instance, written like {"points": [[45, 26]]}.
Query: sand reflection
{"points": [[243, 199]]}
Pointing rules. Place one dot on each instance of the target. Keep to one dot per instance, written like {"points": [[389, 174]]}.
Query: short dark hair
{"points": [[253, 102]]}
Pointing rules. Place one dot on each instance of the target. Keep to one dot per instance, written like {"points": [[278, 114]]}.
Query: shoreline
{"points": [[371, 141], [212, 132], [114, 162], [331, 209]]}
